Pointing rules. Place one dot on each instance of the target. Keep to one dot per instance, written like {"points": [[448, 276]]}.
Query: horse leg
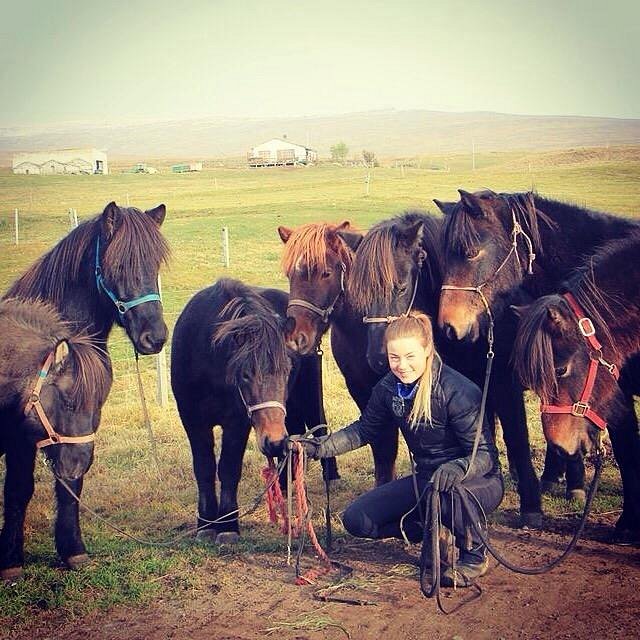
{"points": [[234, 443], [576, 479], [68, 537], [625, 440], [204, 470], [509, 405], [555, 467], [18, 489]]}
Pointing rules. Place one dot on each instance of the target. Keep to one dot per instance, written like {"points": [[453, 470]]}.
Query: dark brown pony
{"points": [[398, 266], [317, 260], [230, 366], [104, 272], [555, 353], [35, 344]]}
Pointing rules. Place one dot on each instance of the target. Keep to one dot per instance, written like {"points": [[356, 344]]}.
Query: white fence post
{"points": [[162, 393], [16, 225], [367, 180], [226, 258], [73, 218]]}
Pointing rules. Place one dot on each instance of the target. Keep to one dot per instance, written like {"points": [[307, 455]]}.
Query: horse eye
{"points": [[326, 274], [471, 254], [561, 372]]}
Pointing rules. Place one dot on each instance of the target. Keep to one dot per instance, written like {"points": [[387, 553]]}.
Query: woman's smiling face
{"points": [[407, 358]]}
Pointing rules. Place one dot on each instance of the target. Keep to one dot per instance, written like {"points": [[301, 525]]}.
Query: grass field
{"points": [[124, 484]]}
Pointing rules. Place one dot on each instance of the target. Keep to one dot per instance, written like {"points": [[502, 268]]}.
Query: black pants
{"points": [[377, 513]]}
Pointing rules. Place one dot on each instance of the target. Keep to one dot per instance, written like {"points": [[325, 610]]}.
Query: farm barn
{"points": [[73, 161], [279, 151]]}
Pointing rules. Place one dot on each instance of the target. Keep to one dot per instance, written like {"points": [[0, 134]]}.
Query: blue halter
{"points": [[121, 305]]}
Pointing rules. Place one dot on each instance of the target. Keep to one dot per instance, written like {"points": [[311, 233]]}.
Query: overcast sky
{"points": [[63, 60]]}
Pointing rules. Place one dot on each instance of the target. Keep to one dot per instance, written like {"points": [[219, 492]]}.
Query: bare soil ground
{"points": [[594, 595]]}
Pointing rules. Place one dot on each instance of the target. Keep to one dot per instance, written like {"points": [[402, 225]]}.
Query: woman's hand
{"points": [[312, 446], [447, 476]]}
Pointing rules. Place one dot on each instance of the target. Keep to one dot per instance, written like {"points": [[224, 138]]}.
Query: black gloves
{"points": [[447, 476], [313, 446]]}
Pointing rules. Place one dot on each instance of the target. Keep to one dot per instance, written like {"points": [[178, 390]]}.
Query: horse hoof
{"points": [[11, 574], [206, 535], [579, 495], [624, 537], [531, 520], [227, 537], [77, 562], [549, 487]]}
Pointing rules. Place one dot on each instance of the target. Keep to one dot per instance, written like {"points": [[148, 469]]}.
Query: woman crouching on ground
{"points": [[436, 409]]}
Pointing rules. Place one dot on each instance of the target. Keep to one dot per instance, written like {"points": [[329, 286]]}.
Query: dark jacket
{"points": [[455, 404]]}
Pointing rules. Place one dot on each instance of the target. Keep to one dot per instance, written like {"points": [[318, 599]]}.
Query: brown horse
{"points": [[569, 350], [317, 260], [103, 272], [53, 383]]}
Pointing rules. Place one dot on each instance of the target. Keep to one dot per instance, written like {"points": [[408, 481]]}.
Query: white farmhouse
{"points": [[73, 161], [279, 151]]}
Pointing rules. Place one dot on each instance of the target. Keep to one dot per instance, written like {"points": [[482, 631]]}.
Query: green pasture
{"points": [[124, 484]]}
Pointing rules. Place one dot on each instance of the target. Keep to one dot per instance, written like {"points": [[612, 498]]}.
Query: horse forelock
{"points": [[309, 246], [259, 347], [533, 350], [136, 248], [374, 273], [91, 372], [460, 231]]}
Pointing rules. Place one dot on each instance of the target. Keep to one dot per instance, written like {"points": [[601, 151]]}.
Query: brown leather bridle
{"points": [[582, 408], [34, 403]]}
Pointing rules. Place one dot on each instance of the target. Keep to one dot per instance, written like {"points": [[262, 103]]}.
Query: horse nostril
{"points": [[450, 332]]}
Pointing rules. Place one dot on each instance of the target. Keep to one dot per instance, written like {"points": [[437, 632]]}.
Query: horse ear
{"points": [[413, 233], [470, 203], [445, 207], [285, 233], [109, 218], [520, 310], [345, 224], [158, 213], [351, 238], [61, 353]]}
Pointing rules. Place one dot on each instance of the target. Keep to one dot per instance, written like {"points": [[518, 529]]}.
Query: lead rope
{"points": [[145, 413]]}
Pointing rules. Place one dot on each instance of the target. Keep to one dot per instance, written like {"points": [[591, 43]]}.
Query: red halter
{"points": [[582, 408], [34, 403]]}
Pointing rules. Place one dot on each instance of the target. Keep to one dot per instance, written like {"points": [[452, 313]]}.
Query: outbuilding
{"points": [[279, 151], [61, 161]]}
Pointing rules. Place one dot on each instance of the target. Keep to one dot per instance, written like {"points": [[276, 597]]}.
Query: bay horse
{"points": [[570, 349], [53, 383], [399, 266], [505, 243], [317, 259], [103, 272], [230, 366]]}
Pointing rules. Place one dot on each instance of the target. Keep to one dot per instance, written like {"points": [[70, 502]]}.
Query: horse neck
{"points": [[577, 232], [621, 296], [74, 294]]}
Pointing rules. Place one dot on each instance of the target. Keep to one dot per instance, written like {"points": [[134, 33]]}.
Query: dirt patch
{"points": [[594, 595]]}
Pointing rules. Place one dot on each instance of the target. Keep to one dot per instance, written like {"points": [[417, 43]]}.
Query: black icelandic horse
{"points": [[53, 383], [103, 272], [398, 266], [317, 260], [230, 366], [509, 243], [570, 348]]}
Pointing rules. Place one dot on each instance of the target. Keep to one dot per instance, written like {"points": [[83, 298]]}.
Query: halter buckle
{"points": [[586, 327], [34, 398], [579, 409]]}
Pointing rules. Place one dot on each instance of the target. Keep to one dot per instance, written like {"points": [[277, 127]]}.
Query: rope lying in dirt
{"points": [[299, 525]]}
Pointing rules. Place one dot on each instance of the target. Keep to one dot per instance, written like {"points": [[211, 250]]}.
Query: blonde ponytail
{"points": [[418, 325]]}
